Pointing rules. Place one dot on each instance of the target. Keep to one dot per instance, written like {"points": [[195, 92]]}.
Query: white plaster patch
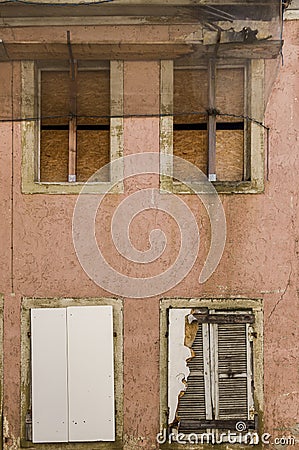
{"points": [[10, 442], [178, 353]]}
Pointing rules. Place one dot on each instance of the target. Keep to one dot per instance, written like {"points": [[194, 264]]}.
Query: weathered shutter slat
{"points": [[232, 371], [192, 403]]}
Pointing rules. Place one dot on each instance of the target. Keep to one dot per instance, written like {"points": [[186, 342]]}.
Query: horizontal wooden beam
{"points": [[260, 49], [229, 424], [39, 51], [162, 2], [224, 318], [129, 51], [186, 18]]}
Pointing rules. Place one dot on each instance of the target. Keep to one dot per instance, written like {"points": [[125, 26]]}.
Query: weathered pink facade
{"points": [[260, 258]]}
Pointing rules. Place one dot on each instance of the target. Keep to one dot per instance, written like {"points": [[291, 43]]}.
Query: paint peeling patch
{"points": [[182, 331], [9, 441]]}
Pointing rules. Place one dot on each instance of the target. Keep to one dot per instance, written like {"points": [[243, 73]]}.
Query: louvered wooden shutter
{"points": [[231, 366], [192, 404], [219, 387]]}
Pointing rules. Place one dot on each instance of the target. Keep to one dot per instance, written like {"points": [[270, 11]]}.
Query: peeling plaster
{"points": [[10, 442], [178, 354]]}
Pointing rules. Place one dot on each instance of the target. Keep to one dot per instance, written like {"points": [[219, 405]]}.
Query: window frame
{"points": [[30, 132], [218, 304], [31, 303], [254, 135]]}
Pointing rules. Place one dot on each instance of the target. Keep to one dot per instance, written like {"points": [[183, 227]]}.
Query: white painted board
{"points": [[49, 375], [90, 373]]}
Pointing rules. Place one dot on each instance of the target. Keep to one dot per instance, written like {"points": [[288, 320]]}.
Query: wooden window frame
{"points": [[254, 134], [27, 305], [31, 183], [232, 306]]}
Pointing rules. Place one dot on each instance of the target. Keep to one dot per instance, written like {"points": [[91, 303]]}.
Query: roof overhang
{"points": [[140, 51]]}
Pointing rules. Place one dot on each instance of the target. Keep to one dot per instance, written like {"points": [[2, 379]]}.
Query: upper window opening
{"points": [[212, 116], [78, 127], [74, 124], [214, 142]]}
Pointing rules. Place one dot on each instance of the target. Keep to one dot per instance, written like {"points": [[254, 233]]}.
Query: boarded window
{"points": [[72, 374], [195, 97], [190, 135], [216, 390], [75, 124]]}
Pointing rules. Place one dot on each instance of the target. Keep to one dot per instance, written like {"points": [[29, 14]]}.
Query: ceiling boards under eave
{"points": [[152, 10]]}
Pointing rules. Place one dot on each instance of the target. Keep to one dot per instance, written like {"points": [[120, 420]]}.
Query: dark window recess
{"points": [[204, 126], [74, 125]]}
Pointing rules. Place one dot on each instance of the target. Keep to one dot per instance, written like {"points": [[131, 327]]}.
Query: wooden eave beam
{"points": [[148, 51], [191, 2], [260, 49], [163, 2]]}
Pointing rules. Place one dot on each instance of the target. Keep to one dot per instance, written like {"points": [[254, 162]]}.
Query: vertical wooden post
{"points": [[212, 121], [73, 114], [73, 125]]}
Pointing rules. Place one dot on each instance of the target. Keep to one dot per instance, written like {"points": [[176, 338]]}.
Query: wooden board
{"points": [[54, 155], [230, 93], [193, 146], [93, 152], [55, 98], [190, 94], [93, 98], [229, 155]]}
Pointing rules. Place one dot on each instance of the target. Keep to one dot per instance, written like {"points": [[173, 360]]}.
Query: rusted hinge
{"points": [[251, 334]]}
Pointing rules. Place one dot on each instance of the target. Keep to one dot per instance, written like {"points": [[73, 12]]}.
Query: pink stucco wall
{"points": [[260, 258]]}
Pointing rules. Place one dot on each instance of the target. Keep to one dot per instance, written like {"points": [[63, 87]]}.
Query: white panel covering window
{"points": [[210, 377], [72, 374]]}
